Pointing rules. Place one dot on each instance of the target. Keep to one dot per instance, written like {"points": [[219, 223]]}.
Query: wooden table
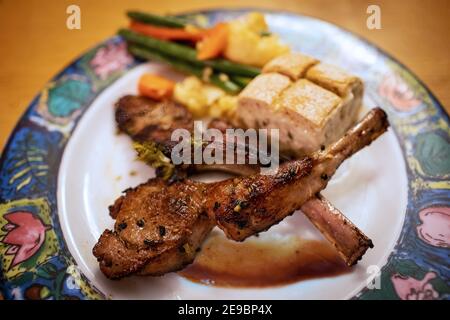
{"points": [[35, 43]]}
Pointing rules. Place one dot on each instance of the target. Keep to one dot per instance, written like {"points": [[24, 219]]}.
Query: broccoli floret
{"points": [[154, 157]]}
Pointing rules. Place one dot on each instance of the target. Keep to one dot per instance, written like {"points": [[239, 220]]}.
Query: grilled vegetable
{"points": [[153, 156], [144, 53], [242, 81], [196, 95], [155, 87], [249, 42], [187, 53], [148, 18], [165, 33], [214, 42]]}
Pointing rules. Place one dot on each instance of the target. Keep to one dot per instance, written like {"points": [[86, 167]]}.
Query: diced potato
{"points": [[196, 95], [249, 43], [224, 107], [256, 22]]}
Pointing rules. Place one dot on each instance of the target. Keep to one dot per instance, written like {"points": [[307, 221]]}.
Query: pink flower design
{"points": [[111, 58], [435, 227], [397, 92], [25, 235], [408, 288]]}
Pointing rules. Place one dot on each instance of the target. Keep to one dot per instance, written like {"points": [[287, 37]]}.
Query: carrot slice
{"points": [[155, 87], [166, 33], [213, 43]]}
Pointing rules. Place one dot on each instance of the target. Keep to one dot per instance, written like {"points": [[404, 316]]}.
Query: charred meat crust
{"points": [[116, 260], [295, 183], [114, 209], [144, 119], [177, 257], [152, 219], [252, 204]]}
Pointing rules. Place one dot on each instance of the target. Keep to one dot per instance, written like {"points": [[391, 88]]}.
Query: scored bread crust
{"points": [[311, 103]]}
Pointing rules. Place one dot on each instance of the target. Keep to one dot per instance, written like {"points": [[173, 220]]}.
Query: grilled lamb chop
{"points": [[159, 227], [251, 204], [147, 120]]}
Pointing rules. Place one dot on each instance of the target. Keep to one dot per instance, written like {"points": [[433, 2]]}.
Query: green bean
{"points": [[166, 47], [187, 53], [147, 54], [233, 68], [242, 81], [149, 18]]}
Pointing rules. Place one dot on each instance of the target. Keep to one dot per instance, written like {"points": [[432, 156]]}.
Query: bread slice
{"points": [[311, 104], [293, 65], [334, 79], [258, 98]]}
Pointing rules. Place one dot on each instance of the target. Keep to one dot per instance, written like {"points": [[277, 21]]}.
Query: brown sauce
{"points": [[262, 263]]}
